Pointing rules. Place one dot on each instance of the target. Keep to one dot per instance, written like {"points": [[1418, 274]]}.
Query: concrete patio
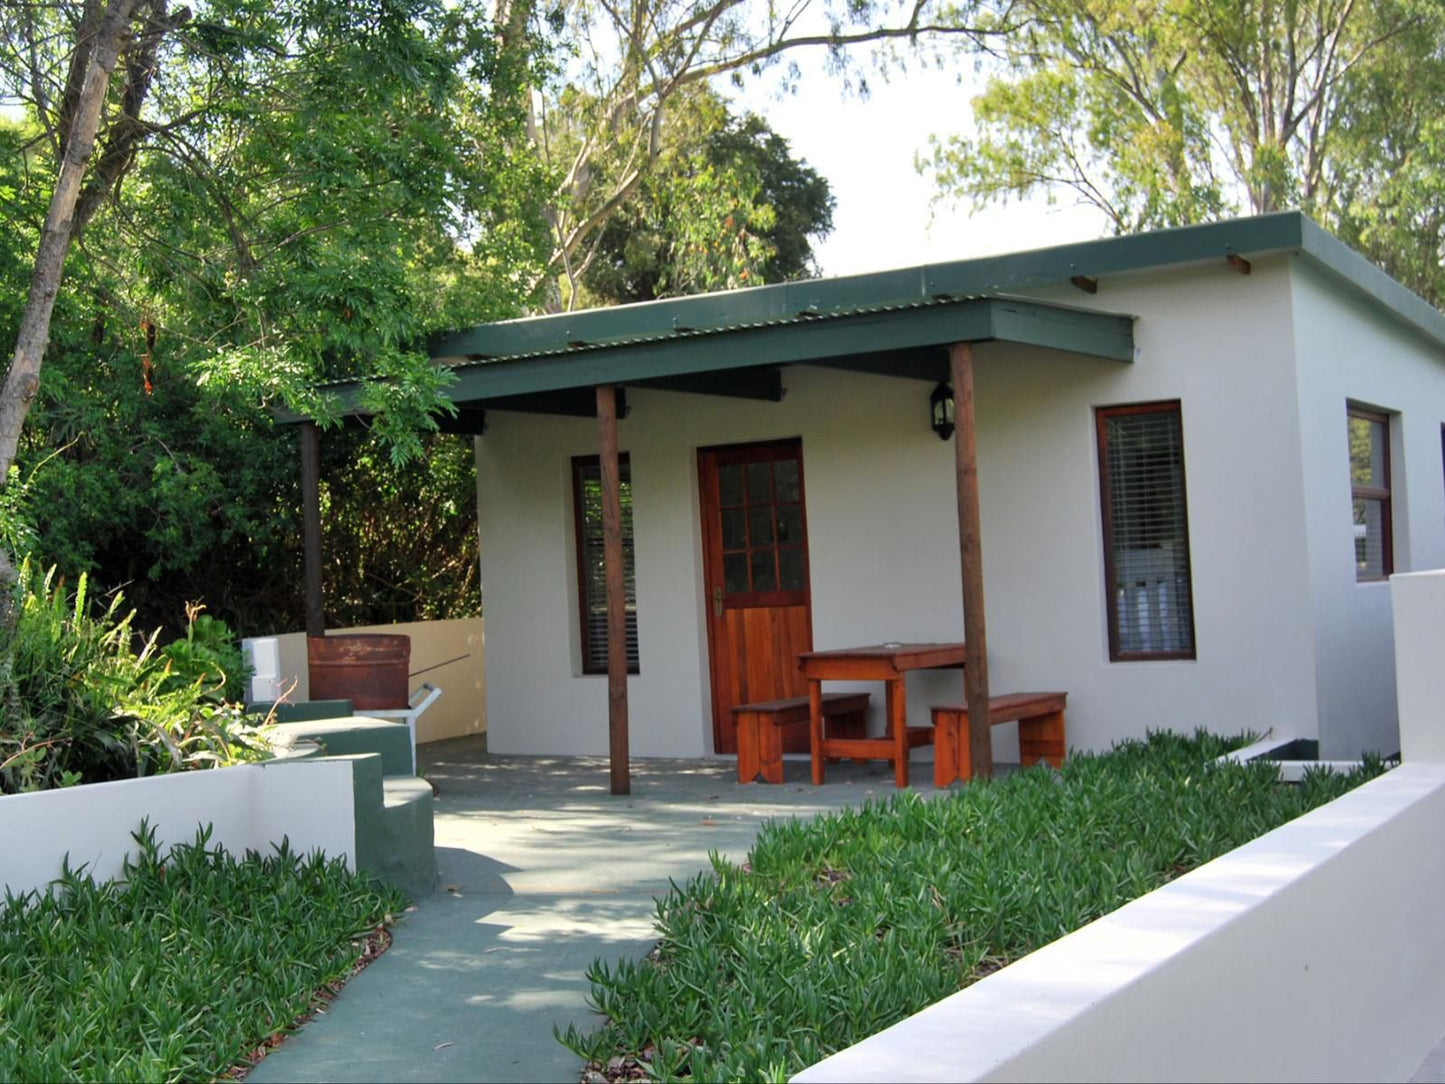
{"points": [[542, 871]]}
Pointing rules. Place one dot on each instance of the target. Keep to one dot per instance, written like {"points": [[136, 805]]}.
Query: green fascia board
{"points": [[1183, 245], [659, 339], [816, 341], [1259, 235], [680, 316], [1343, 262], [803, 343]]}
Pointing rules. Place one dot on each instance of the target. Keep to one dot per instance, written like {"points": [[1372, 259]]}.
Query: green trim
{"points": [[1345, 263], [882, 322], [1080, 331], [921, 285], [730, 357]]}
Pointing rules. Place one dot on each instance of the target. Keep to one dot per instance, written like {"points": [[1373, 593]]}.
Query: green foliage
{"points": [[209, 658], [84, 705], [181, 968], [726, 205], [325, 185], [400, 541], [1177, 111], [837, 927]]}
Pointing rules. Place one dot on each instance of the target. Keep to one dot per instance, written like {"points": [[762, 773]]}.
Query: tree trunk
{"points": [[23, 379]]}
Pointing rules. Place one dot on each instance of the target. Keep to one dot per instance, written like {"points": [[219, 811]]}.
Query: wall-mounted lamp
{"points": [[940, 405]]}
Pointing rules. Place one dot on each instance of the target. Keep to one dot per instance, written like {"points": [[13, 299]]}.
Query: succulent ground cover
{"points": [[188, 968], [837, 927]]}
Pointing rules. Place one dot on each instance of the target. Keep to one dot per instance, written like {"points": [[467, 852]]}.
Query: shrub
{"points": [[88, 701]]}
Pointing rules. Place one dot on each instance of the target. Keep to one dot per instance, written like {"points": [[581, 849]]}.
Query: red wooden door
{"points": [[755, 557]]}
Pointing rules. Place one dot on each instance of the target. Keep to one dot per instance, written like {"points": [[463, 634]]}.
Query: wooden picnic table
{"points": [[888, 663]]}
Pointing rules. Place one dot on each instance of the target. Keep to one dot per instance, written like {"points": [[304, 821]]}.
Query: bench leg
{"points": [[748, 752], [770, 750], [1042, 738], [945, 747], [898, 728], [964, 759], [815, 729]]}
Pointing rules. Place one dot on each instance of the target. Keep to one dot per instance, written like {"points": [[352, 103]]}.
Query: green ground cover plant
{"points": [[837, 927], [183, 968]]}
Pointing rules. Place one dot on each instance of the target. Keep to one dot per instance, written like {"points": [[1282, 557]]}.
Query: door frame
{"points": [[718, 661]]}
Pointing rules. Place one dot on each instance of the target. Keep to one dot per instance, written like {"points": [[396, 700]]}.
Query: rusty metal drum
{"points": [[369, 669]]}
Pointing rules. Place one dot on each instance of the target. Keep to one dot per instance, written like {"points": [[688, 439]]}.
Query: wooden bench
{"points": [[761, 729], [1041, 732]]}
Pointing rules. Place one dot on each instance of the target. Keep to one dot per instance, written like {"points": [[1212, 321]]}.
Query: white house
{"points": [[1200, 454]]}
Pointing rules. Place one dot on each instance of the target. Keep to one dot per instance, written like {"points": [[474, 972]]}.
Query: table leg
{"points": [[815, 729], [898, 727]]}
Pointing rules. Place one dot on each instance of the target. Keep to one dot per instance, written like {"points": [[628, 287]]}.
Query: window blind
{"points": [[1146, 537], [587, 491]]}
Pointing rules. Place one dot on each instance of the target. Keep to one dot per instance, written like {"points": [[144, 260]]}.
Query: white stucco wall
{"points": [[1349, 351], [883, 533], [249, 807]]}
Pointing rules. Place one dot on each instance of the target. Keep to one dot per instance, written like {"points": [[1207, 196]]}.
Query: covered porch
{"points": [[727, 371]]}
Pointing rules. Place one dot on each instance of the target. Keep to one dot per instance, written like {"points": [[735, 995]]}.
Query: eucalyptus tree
{"points": [[625, 71], [1172, 111]]}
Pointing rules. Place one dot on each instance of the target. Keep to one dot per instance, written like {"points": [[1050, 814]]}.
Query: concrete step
{"points": [[348, 736], [407, 854], [393, 824]]}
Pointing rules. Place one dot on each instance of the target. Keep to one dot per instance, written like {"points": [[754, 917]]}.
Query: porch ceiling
{"points": [[742, 359]]}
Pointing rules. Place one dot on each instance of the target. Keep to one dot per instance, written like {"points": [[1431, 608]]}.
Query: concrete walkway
{"points": [[542, 871]]}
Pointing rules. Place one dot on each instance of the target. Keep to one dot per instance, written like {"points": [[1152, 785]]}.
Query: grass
{"points": [[182, 969], [837, 927]]}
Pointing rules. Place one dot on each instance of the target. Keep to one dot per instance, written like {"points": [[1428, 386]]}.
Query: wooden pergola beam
{"points": [[616, 589], [311, 527], [975, 669]]}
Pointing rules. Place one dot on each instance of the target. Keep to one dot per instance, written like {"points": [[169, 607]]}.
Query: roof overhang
{"points": [[741, 359], [893, 322]]}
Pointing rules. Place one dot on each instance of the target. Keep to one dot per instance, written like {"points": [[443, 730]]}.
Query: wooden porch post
{"points": [[311, 527], [616, 592], [975, 672]]}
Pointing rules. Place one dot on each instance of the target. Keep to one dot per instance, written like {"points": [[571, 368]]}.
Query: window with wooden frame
{"points": [[1370, 493], [591, 576], [1146, 532]]}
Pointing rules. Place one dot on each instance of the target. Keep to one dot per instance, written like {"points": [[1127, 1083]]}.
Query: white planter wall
{"points": [[248, 806], [1312, 953], [1266, 964]]}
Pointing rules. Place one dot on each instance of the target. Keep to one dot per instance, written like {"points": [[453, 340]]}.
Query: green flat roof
{"points": [[887, 321]]}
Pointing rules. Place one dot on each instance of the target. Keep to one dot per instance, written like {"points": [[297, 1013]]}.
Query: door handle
{"points": [[717, 606]]}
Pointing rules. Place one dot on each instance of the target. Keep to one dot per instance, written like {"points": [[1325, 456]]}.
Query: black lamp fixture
{"points": [[940, 405]]}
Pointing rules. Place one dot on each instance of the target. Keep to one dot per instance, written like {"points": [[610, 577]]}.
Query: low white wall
{"points": [[1266, 964], [1312, 953], [249, 806], [1418, 604]]}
